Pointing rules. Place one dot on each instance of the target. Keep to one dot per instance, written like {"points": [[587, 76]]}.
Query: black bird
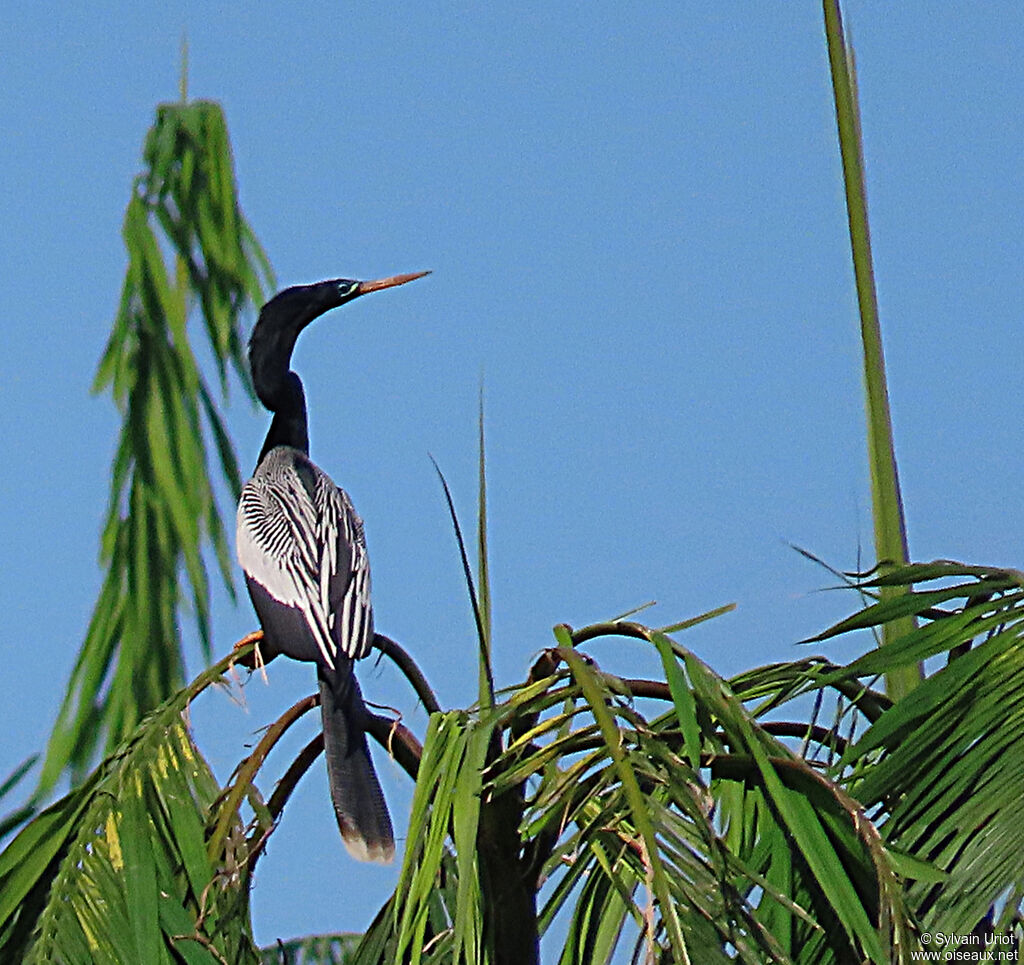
{"points": [[301, 546]]}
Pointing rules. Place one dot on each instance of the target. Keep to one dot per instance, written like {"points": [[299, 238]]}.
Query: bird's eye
{"points": [[346, 288]]}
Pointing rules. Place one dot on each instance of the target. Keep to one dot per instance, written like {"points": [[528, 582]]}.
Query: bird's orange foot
{"points": [[254, 658]]}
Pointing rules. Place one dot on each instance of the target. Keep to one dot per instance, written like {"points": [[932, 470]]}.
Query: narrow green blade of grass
{"points": [[483, 578], [682, 699], [890, 530], [486, 673], [468, 926]]}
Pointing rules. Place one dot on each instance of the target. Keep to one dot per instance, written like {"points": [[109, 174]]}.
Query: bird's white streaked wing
{"points": [[300, 539], [344, 555]]}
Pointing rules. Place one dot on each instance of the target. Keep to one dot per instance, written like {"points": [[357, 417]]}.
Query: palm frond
{"points": [[695, 831], [121, 869], [942, 767], [162, 509]]}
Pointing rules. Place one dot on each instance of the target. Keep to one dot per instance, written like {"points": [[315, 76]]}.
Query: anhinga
{"points": [[301, 546]]}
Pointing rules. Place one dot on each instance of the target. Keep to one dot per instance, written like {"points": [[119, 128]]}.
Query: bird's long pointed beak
{"points": [[382, 283]]}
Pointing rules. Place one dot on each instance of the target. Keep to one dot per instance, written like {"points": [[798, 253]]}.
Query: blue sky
{"points": [[635, 221]]}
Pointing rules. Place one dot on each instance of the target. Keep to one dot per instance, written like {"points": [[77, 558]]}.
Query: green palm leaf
{"points": [[943, 765], [121, 870], [752, 855], [162, 507], [886, 501]]}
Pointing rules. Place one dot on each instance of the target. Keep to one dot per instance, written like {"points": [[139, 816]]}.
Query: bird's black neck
{"points": [[289, 427], [270, 354]]}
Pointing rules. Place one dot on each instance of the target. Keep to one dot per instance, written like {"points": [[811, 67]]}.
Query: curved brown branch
{"points": [[293, 775], [799, 776], [250, 658], [246, 771], [400, 657], [618, 628], [869, 702], [655, 689], [794, 773], [282, 792], [395, 738], [400, 742]]}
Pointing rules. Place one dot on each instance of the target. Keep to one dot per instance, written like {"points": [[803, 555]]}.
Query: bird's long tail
{"points": [[358, 800]]}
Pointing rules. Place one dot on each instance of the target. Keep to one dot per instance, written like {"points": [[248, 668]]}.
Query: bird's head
{"points": [[290, 311]]}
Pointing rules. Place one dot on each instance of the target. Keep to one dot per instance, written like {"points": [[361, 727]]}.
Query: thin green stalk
{"points": [[486, 673], [887, 504], [483, 570]]}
